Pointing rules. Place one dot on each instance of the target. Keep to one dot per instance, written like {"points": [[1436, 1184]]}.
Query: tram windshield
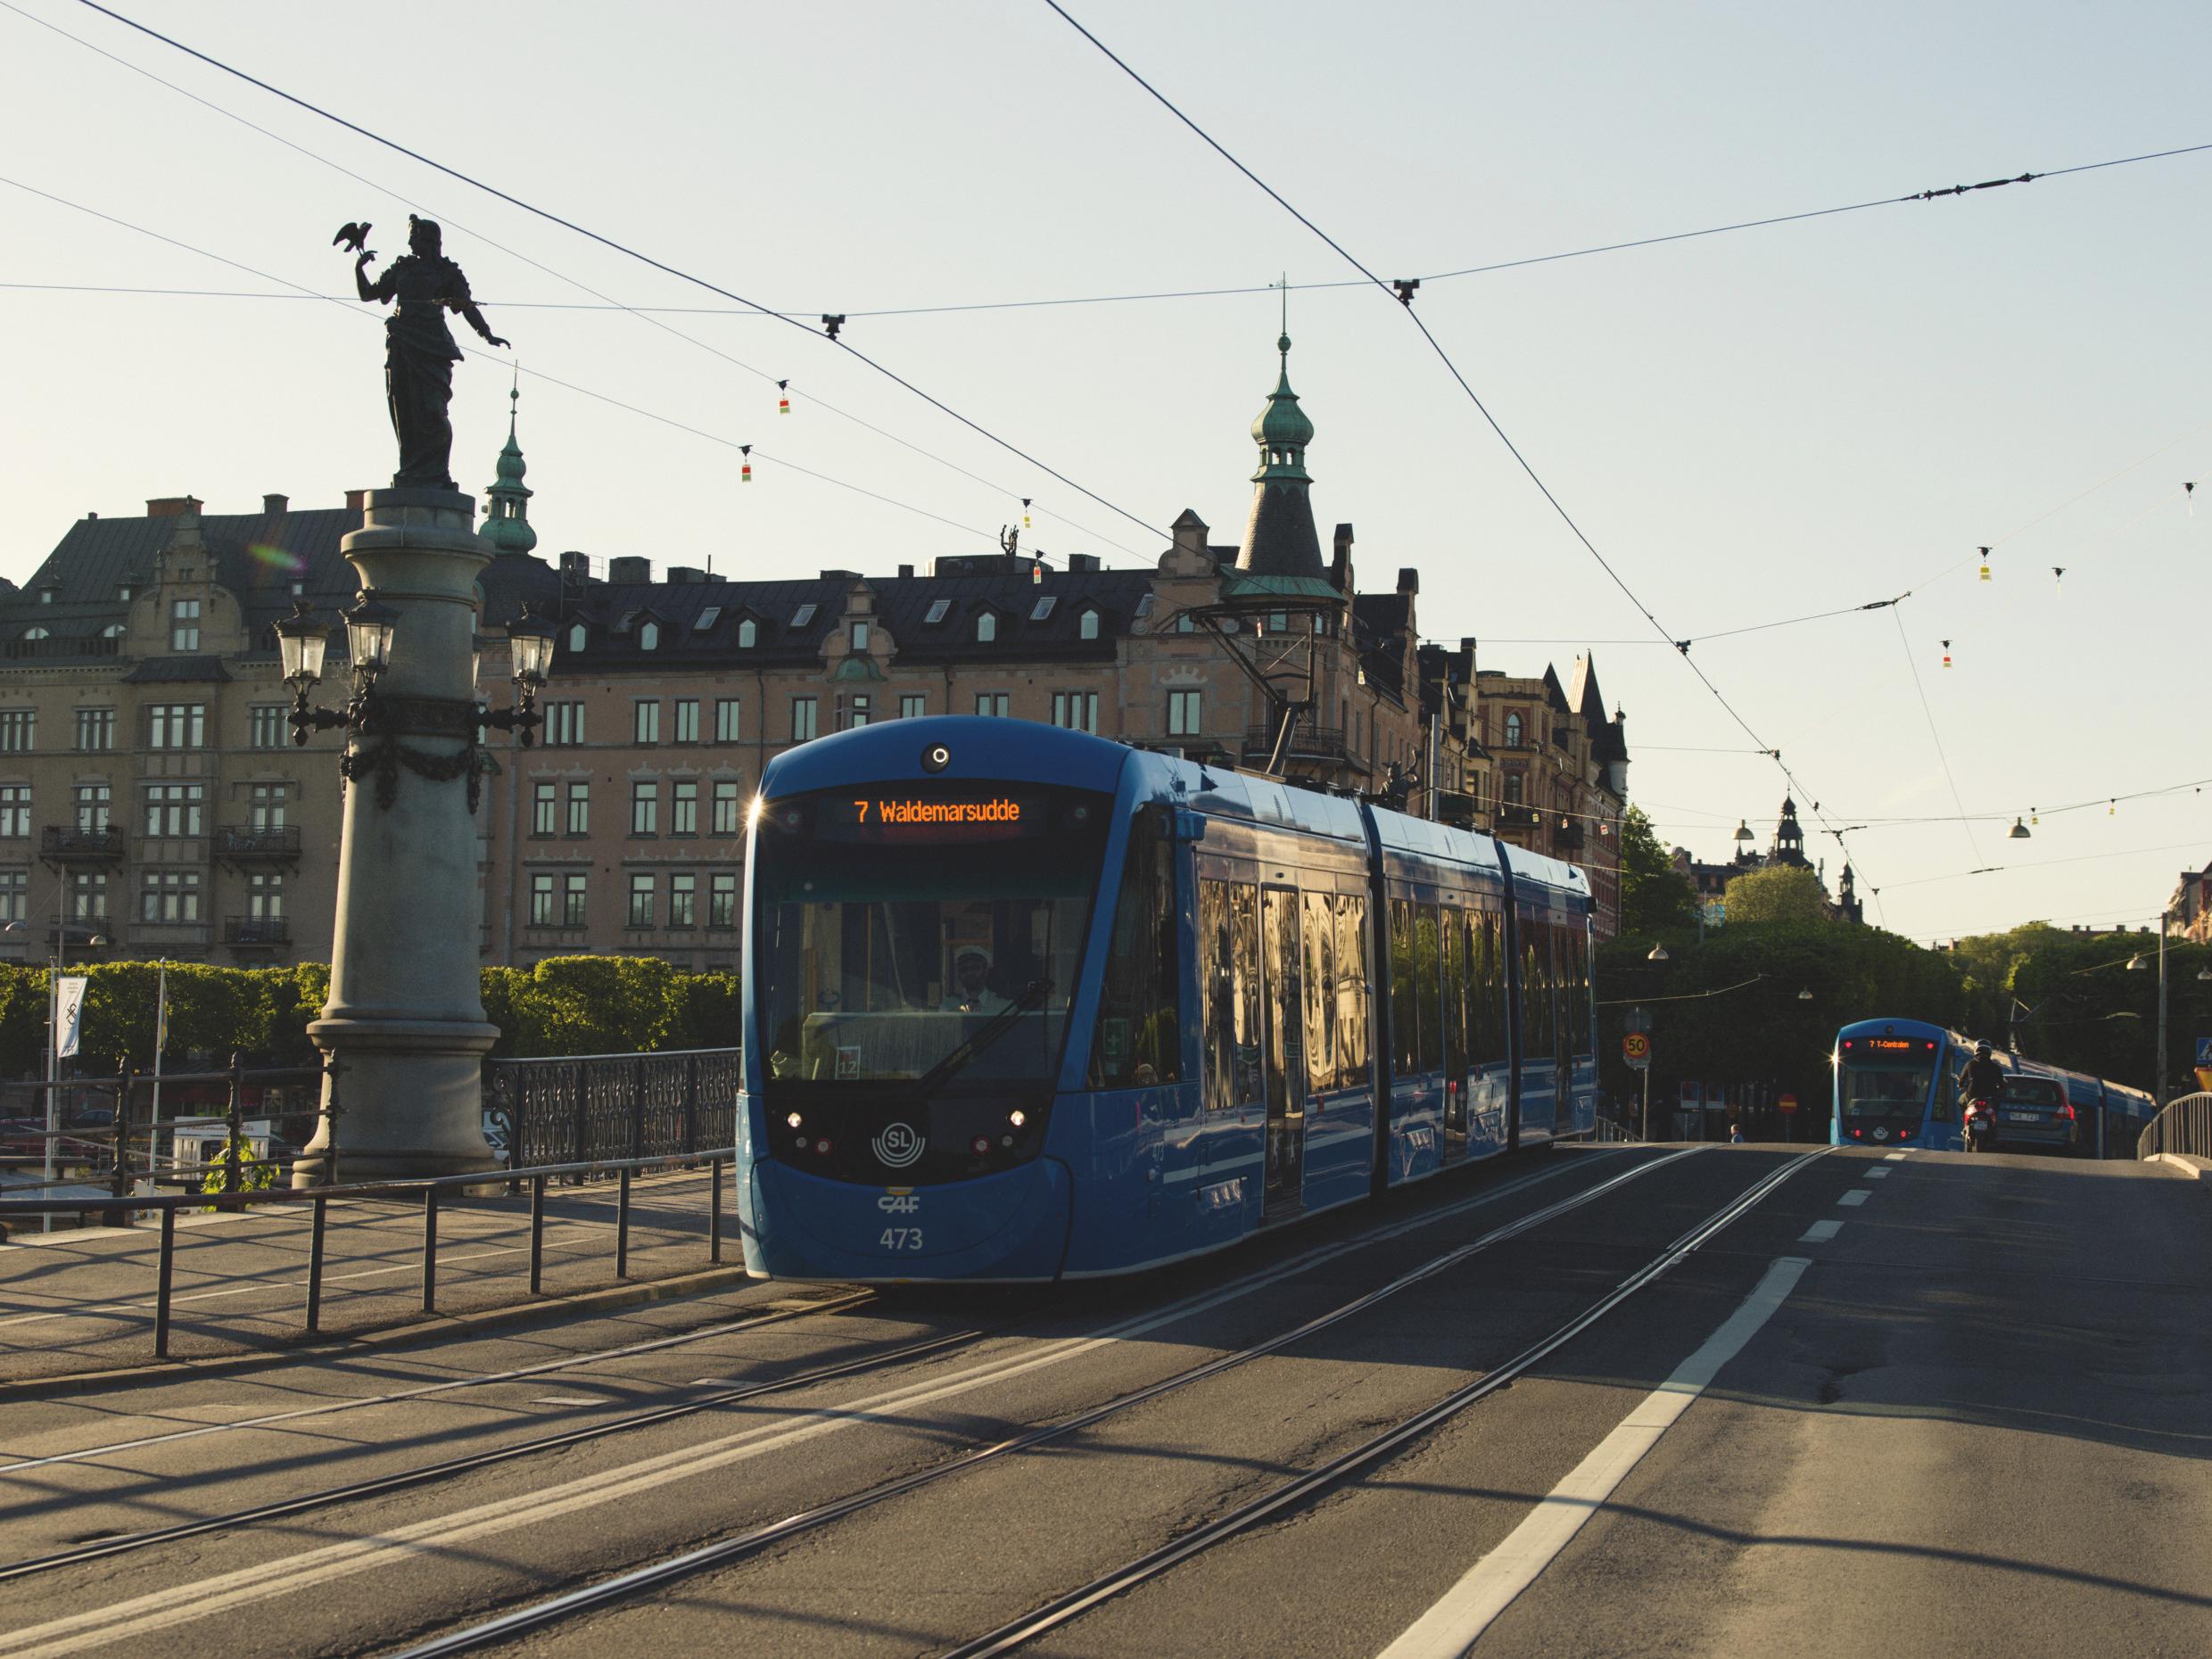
{"points": [[899, 923], [1886, 1091]]}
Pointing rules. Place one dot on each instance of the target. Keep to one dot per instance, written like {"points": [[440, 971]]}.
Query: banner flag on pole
{"points": [[68, 1014]]}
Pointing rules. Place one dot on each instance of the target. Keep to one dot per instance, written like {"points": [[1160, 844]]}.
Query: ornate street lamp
{"points": [[530, 659], [369, 626]]}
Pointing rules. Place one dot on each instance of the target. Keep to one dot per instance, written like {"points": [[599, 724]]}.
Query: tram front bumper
{"points": [[1012, 1226]]}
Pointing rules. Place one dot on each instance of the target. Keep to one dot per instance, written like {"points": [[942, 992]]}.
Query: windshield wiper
{"points": [[994, 1029]]}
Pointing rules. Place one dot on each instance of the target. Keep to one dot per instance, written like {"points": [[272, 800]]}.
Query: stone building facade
{"points": [[1557, 765]]}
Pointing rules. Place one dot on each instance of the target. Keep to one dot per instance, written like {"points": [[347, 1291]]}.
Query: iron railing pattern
{"points": [[2184, 1127], [577, 1109]]}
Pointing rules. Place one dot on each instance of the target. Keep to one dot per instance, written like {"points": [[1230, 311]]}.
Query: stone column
{"points": [[404, 1016]]}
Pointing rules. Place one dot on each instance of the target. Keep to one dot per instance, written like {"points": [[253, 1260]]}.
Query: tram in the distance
{"points": [[1896, 1084], [1020, 1003]]}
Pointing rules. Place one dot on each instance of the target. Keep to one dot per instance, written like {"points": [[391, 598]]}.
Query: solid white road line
{"points": [[1857, 1195], [1820, 1232], [1457, 1621]]}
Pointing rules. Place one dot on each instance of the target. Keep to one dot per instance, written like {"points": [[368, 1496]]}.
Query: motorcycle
{"points": [[1980, 1124]]}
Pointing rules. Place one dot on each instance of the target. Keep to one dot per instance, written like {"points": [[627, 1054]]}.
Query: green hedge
{"points": [[564, 1006]]}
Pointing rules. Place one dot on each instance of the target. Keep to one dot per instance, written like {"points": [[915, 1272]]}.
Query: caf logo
{"points": [[898, 1145]]}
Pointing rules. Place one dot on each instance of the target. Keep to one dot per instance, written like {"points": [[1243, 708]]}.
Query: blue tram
{"points": [[1896, 1084], [1022, 1004]]}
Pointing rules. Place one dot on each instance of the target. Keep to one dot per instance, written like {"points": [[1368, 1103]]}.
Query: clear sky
{"points": [[1751, 426]]}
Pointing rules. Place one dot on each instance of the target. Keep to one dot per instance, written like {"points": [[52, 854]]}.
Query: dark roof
{"points": [[1378, 631], [176, 670]]}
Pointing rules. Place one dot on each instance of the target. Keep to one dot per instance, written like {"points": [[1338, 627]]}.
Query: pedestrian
{"points": [[1735, 1135]]}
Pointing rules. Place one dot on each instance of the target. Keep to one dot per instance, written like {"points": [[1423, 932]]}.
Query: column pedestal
{"points": [[404, 1016]]}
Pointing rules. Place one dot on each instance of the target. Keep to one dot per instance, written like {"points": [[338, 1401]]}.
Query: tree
{"points": [[1779, 893], [1655, 897]]}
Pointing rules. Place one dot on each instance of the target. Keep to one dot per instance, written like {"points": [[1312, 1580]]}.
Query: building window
{"points": [[687, 720], [729, 724], [1043, 607], [170, 896], [1513, 787], [722, 901], [1513, 731], [578, 637], [563, 725], [648, 636], [579, 809], [265, 806], [706, 619], [748, 634], [38, 633], [94, 802], [1076, 710], [14, 809], [545, 808], [857, 713], [1184, 624], [644, 721], [804, 615], [543, 900], [17, 729], [683, 807], [860, 636], [683, 901], [935, 614], [15, 894], [641, 899], [913, 706], [645, 808], [95, 729], [987, 628], [267, 726], [265, 895], [802, 719], [727, 818], [1278, 622], [1184, 719], [184, 625], [1086, 625], [991, 703], [576, 898], [88, 895], [177, 726], [173, 809]]}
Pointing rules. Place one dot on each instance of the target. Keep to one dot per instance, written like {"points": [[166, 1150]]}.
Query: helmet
{"points": [[1981, 1051]]}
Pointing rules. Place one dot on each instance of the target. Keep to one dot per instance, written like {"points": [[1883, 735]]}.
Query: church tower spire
{"points": [[506, 502], [1279, 536]]}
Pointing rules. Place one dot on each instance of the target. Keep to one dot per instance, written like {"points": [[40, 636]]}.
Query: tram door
{"points": [[1283, 977]]}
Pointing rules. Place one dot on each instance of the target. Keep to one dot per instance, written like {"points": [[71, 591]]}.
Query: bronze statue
{"points": [[419, 352]]}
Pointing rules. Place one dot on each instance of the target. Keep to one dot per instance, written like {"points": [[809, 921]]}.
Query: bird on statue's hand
{"points": [[352, 237]]}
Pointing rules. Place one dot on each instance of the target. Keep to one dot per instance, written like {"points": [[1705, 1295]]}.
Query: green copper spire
{"points": [[507, 510], [1279, 537]]}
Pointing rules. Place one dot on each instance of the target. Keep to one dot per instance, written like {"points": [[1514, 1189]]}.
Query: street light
{"points": [[2018, 832], [370, 627], [1658, 954], [530, 659], [1805, 995]]}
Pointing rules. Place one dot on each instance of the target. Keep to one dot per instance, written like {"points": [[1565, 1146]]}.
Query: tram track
{"points": [[886, 1360], [621, 1587]]}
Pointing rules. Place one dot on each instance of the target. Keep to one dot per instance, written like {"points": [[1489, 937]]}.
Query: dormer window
{"points": [[113, 631], [1043, 607], [804, 615], [578, 637], [46, 596], [748, 634], [860, 636], [937, 607], [648, 636], [1183, 624], [123, 593], [987, 628], [708, 618], [35, 634], [1086, 625]]}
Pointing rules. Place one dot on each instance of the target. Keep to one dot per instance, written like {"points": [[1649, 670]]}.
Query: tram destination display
{"points": [[905, 816]]}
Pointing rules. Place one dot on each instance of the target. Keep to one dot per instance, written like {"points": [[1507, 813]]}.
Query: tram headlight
{"points": [[793, 1121], [1017, 1118], [980, 1145]]}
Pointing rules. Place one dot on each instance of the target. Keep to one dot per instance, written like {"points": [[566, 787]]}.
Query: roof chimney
{"points": [[275, 505], [1409, 579], [356, 500], [905, 571], [172, 506]]}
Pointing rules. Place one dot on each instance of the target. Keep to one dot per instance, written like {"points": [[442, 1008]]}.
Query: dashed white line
{"points": [[1892, 1157], [1457, 1621], [1877, 1173], [1857, 1195], [1820, 1232]]}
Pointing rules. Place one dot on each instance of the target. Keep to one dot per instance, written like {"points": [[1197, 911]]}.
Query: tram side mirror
{"points": [[1190, 826]]}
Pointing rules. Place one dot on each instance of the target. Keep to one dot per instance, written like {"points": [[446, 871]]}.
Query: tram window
{"points": [[1215, 991], [1492, 926], [1405, 998], [1320, 964], [1352, 979], [1428, 981], [1286, 995], [1457, 981], [1244, 965], [1139, 1041]]}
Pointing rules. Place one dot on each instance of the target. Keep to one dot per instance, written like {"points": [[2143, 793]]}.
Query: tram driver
{"points": [[971, 992]]}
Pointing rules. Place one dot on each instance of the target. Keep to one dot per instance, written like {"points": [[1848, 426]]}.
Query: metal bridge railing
{"points": [[2184, 1127], [593, 1109]]}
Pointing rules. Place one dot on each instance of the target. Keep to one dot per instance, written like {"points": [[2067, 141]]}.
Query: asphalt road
{"points": [[1912, 1405]]}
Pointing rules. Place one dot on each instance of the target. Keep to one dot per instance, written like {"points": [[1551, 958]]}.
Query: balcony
{"points": [[61, 844], [1511, 816], [256, 933], [236, 844]]}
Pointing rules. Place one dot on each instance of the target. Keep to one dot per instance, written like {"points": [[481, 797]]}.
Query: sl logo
{"points": [[899, 1145]]}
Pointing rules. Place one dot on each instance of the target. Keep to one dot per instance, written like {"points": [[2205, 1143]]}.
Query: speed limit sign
{"points": [[1636, 1049]]}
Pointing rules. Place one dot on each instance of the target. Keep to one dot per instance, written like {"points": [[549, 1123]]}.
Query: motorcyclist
{"points": [[1982, 1078]]}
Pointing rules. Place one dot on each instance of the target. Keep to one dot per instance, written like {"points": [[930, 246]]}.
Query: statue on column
{"points": [[419, 352]]}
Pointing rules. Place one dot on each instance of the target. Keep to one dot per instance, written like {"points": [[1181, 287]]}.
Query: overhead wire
{"points": [[1405, 303], [641, 314], [1935, 733], [2040, 864], [628, 251]]}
